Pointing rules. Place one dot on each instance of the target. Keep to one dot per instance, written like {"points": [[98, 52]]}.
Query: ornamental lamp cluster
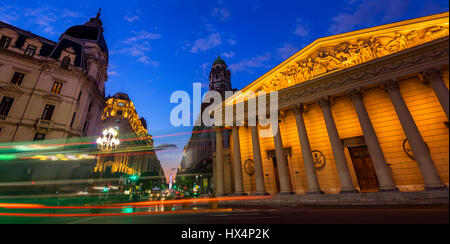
{"points": [[109, 141]]}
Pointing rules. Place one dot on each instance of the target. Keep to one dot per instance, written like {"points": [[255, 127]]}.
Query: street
{"points": [[266, 215]]}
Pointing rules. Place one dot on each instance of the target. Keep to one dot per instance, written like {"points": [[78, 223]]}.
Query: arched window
{"points": [[65, 62]]}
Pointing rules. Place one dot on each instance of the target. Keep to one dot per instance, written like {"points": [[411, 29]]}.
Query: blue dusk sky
{"points": [[160, 46]]}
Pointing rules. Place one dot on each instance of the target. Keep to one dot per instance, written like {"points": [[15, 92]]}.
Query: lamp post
{"points": [[109, 141]]}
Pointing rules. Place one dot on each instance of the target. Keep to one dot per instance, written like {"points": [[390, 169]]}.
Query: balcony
{"points": [[44, 124]]}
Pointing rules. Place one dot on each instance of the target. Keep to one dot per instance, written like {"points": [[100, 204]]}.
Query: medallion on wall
{"points": [[249, 167], [319, 159], [407, 149]]}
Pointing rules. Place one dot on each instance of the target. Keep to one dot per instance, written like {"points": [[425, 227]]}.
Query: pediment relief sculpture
{"points": [[346, 54]]}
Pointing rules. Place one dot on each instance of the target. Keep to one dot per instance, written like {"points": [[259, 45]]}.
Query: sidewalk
{"points": [[436, 197]]}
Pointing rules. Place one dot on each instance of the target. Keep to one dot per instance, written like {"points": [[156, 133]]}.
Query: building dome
{"points": [[90, 31], [219, 60]]}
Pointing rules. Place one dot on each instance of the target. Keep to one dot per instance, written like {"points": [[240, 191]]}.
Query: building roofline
{"points": [[27, 33]]}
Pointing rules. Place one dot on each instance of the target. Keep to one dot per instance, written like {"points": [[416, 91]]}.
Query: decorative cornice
{"points": [[20, 57], [57, 69]]}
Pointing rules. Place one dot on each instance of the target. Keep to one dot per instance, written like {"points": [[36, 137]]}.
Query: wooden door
{"points": [[277, 177], [364, 169]]}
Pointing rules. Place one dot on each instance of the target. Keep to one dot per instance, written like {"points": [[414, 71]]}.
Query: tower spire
{"points": [[98, 13]]}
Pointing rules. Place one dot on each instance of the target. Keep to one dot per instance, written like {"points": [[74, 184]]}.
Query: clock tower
{"points": [[220, 77]]}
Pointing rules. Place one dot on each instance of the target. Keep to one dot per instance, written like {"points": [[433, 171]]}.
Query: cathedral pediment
{"points": [[330, 54]]}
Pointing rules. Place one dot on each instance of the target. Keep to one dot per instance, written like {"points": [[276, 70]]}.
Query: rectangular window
{"points": [[48, 112], [39, 137], [57, 86], [85, 128], [17, 78], [5, 106], [30, 51], [4, 42], [73, 118]]}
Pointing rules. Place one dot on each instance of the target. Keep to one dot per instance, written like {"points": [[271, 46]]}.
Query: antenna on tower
{"points": [[99, 12]]}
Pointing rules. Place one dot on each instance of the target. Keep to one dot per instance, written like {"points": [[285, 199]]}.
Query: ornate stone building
{"points": [[358, 112], [136, 153], [52, 89]]}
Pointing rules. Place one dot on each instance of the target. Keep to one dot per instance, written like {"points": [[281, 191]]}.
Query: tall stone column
{"points": [[308, 161], [434, 76], [282, 164], [337, 147], [219, 162], [239, 187], [418, 146], [383, 172], [259, 174]]}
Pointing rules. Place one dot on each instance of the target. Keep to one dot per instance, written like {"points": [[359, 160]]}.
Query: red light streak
{"points": [[131, 139], [115, 214], [136, 204]]}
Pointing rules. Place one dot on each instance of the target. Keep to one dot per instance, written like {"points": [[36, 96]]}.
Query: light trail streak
{"points": [[42, 146], [197, 200], [115, 214], [143, 204], [64, 182]]}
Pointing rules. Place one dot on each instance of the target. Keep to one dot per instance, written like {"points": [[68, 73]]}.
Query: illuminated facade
{"points": [[358, 112], [135, 155], [51, 90]]}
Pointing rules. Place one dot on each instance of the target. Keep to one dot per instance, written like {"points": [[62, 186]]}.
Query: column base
{"points": [[261, 194], [222, 195], [389, 190], [436, 188], [349, 191], [240, 194], [315, 193]]}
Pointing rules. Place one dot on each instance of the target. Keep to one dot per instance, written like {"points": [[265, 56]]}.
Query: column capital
{"points": [[432, 74], [297, 108], [324, 101], [355, 93], [390, 85]]}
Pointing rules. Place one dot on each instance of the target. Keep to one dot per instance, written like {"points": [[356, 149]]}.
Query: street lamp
{"points": [[109, 141]]}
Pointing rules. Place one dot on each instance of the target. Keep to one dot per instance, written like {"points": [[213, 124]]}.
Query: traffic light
{"points": [[134, 178]]}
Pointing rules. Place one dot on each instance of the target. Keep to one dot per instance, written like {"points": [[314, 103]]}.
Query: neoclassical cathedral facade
{"points": [[365, 111]]}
